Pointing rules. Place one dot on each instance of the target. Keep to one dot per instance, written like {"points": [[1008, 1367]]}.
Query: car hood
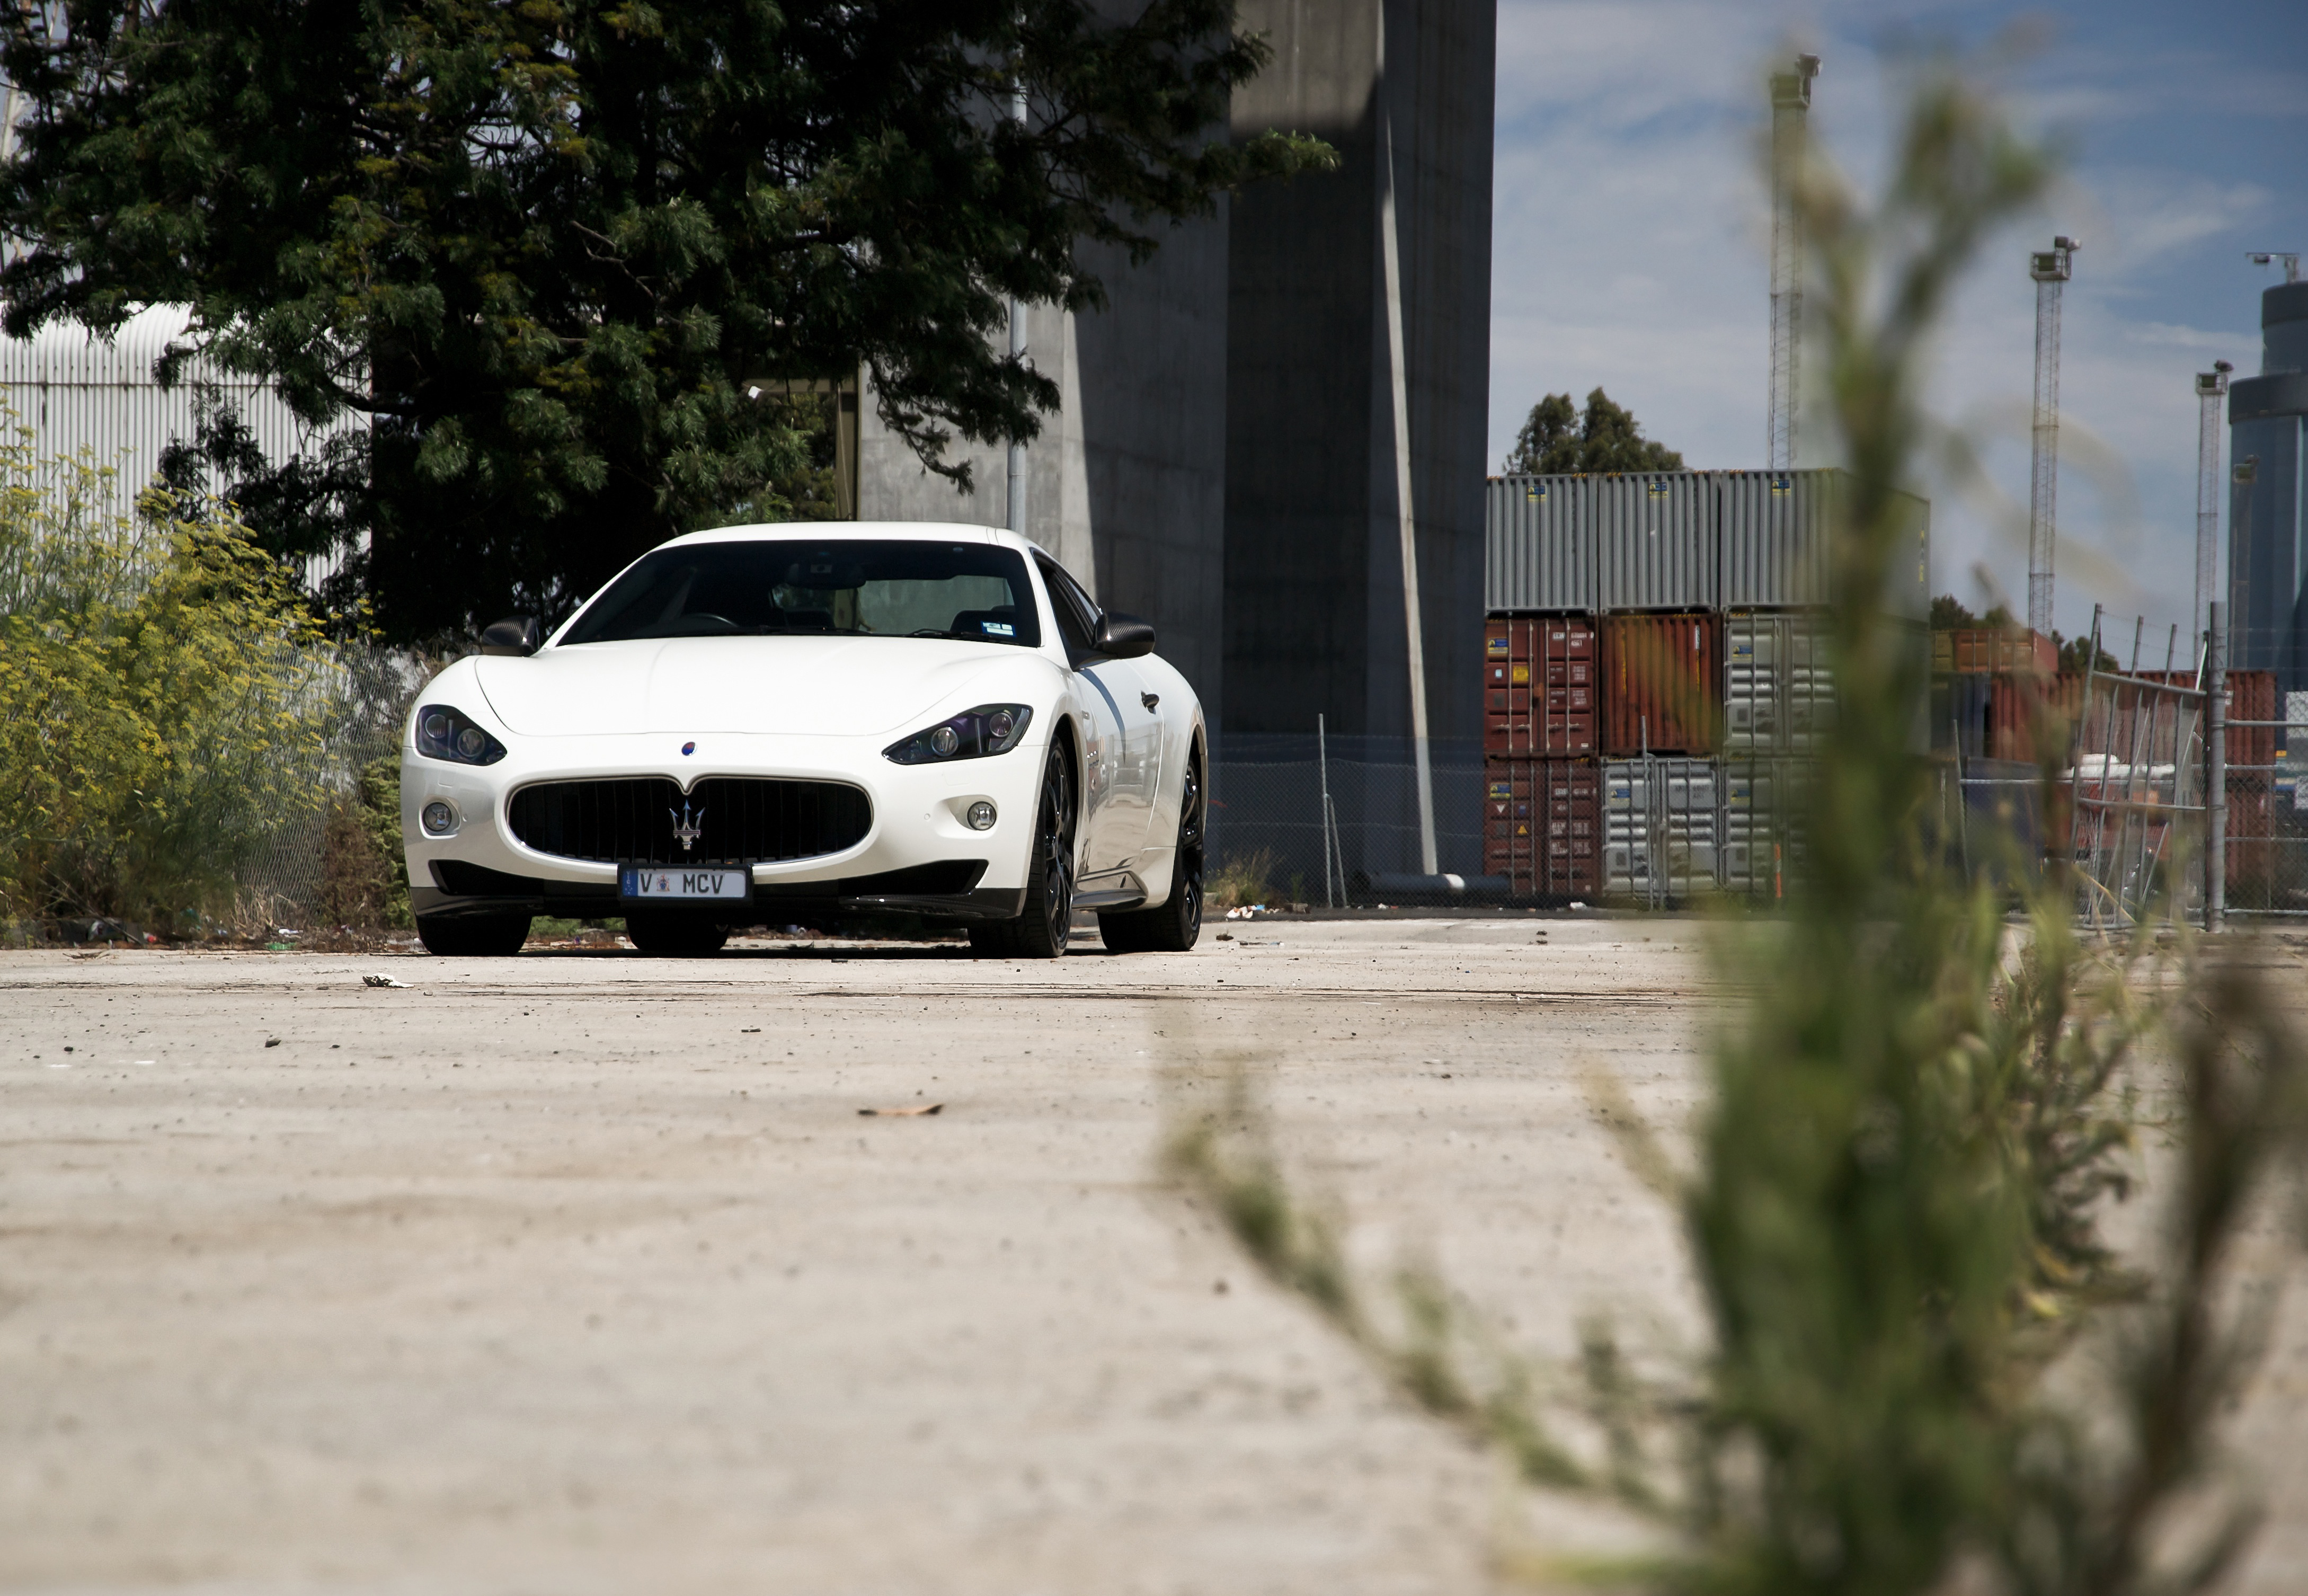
{"points": [[792, 686]]}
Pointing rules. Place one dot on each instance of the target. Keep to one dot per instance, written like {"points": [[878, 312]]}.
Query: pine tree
{"points": [[550, 249]]}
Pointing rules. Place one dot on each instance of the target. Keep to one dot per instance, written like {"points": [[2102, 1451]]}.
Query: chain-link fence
{"points": [[1269, 794]]}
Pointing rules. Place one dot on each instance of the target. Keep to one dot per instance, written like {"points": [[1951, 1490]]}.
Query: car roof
{"points": [[918, 531]]}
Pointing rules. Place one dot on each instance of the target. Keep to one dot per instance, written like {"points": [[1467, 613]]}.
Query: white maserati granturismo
{"points": [[813, 722]]}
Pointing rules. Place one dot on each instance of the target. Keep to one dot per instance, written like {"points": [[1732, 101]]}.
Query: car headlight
{"points": [[445, 733], [973, 734]]}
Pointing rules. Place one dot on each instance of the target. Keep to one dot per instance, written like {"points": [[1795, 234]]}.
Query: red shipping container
{"points": [[2014, 702], [1659, 691], [2251, 696], [1538, 686], [1543, 826]]}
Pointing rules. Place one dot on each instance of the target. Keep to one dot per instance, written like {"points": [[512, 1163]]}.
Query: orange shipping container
{"points": [[1994, 651], [1538, 687], [1659, 692], [2013, 706], [1543, 826]]}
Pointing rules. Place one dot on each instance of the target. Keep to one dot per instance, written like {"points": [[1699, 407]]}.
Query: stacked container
{"points": [[1778, 697], [1659, 676], [1538, 686], [1765, 811], [1698, 597], [1660, 828], [1543, 827]]}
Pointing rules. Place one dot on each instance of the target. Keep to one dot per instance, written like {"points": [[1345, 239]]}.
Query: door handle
{"points": [[1150, 699]]}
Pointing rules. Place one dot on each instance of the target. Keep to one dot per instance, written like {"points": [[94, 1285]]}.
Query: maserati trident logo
{"points": [[687, 827]]}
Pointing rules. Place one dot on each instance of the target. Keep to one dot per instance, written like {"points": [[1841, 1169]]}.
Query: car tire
{"points": [[674, 935], [1043, 931], [1174, 926], [472, 936]]}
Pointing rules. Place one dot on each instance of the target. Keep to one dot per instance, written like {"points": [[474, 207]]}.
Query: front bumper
{"points": [[918, 857]]}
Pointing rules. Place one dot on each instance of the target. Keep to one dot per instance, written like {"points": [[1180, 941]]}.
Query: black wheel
{"points": [[674, 935], [1042, 930], [472, 936], [1174, 926]]}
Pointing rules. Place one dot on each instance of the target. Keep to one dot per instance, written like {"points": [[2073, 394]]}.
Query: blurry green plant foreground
{"points": [[1914, 1128], [170, 710]]}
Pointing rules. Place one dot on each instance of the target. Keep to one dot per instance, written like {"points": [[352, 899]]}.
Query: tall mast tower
{"points": [[1790, 109], [2050, 269], [2211, 387]]}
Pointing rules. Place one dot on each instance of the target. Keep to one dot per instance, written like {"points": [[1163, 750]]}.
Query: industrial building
{"points": [[1227, 459], [2268, 456]]}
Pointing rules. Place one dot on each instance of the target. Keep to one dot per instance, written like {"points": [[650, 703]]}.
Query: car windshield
{"points": [[861, 588]]}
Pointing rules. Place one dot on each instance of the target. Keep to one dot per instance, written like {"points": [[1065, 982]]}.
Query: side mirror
{"points": [[517, 634], [1124, 636]]}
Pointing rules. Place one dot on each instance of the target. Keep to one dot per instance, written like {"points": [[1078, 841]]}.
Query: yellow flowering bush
{"points": [[165, 693]]}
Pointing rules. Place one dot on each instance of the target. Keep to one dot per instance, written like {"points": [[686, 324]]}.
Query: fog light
{"points": [[981, 816], [439, 818]]}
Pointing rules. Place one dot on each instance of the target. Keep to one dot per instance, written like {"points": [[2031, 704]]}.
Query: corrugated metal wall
{"points": [[75, 391], [1539, 534], [1682, 539]]}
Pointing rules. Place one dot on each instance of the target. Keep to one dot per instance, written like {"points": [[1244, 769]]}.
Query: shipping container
{"points": [[1773, 530], [1543, 826], [2019, 705], [1655, 546], [1684, 539], [1959, 711], [1766, 812], [1539, 545], [1539, 686], [2251, 696], [1660, 825], [1659, 685], [1778, 696], [1994, 651]]}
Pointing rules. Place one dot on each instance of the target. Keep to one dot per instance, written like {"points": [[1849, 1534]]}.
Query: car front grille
{"points": [[727, 820]]}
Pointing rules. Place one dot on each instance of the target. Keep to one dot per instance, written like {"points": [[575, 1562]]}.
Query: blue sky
{"points": [[1629, 230]]}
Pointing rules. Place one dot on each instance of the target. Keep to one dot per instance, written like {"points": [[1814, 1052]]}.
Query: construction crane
{"points": [[2211, 387], [1790, 109], [2050, 269]]}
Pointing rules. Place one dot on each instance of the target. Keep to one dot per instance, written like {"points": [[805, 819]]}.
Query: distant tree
{"points": [[1558, 438]]}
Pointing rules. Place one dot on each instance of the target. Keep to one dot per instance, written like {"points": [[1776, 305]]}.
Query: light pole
{"points": [[2211, 387], [2050, 269]]}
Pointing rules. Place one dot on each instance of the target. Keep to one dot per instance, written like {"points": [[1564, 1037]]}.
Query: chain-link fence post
{"points": [[2215, 753]]}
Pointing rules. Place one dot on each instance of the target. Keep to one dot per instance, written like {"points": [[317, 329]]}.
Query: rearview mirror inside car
{"points": [[1124, 636], [515, 634]]}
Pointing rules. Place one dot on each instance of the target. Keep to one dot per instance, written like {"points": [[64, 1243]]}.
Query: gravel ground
{"points": [[582, 1273]]}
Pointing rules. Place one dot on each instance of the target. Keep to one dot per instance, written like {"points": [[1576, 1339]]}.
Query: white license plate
{"points": [[734, 884]]}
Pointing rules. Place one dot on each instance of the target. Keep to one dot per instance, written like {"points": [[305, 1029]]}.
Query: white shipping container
{"points": [[1778, 693], [1765, 808], [1660, 827]]}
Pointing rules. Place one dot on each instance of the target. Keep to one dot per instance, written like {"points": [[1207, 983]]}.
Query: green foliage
{"points": [[547, 247], [164, 694], [364, 872], [1557, 438], [1949, 615]]}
